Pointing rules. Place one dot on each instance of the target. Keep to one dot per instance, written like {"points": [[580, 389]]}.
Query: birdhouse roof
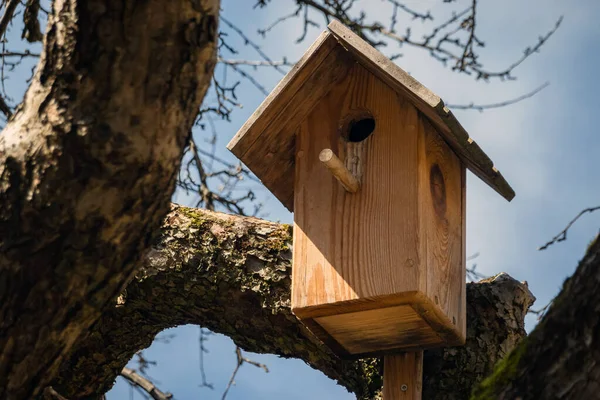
{"points": [[266, 142]]}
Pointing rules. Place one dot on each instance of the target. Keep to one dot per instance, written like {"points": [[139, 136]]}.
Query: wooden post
{"points": [[339, 170], [403, 376]]}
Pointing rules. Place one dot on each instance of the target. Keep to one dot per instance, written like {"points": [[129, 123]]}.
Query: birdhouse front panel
{"points": [[382, 268]]}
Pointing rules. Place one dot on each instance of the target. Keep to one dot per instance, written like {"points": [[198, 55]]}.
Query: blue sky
{"points": [[547, 147]]}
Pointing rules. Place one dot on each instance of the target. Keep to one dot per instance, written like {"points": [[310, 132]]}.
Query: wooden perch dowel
{"points": [[403, 376], [337, 168]]}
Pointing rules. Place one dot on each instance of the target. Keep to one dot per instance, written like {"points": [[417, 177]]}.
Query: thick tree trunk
{"points": [[87, 168], [232, 274], [560, 359]]}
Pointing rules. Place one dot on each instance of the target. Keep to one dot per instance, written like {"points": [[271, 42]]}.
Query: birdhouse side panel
{"points": [[354, 246], [441, 210]]}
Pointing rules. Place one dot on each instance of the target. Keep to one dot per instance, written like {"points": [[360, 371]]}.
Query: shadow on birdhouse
{"points": [[373, 166]]}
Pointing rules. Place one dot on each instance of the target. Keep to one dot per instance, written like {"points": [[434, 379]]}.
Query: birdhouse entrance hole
{"points": [[361, 129], [358, 126]]}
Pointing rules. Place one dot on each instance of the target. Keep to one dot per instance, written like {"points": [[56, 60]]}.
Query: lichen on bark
{"points": [[231, 274]]}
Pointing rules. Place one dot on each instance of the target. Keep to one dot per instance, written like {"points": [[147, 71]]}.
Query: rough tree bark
{"points": [[560, 359], [87, 168], [232, 275]]}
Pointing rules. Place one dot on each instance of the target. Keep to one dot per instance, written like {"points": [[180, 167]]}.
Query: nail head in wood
{"points": [[339, 170], [403, 376]]}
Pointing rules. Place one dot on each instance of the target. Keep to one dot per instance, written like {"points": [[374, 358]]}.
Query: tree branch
{"points": [[560, 358], [9, 11], [231, 275], [143, 383], [87, 168]]}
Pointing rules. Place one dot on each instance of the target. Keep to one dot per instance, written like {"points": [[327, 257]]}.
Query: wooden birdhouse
{"points": [[373, 166]]}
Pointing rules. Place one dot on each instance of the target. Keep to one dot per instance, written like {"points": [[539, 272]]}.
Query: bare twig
{"points": [[139, 381], [472, 273], [204, 192], [254, 63], [193, 177], [240, 361], [541, 312], [250, 79], [465, 60], [468, 56], [562, 235], [531, 50], [230, 166], [23, 54], [482, 107], [455, 17], [51, 394], [143, 362], [249, 42], [307, 22], [164, 338], [279, 20], [414, 14], [203, 337]]}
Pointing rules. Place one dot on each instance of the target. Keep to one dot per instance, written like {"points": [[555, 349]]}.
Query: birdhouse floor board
{"points": [[356, 305], [379, 330], [372, 327]]}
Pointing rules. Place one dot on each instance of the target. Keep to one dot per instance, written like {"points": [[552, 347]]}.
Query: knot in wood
{"points": [[438, 190]]}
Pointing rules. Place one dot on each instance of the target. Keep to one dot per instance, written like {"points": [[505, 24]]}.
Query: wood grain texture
{"points": [[462, 322], [398, 241], [266, 142], [380, 330], [351, 246], [428, 103], [441, 225], [431, 315], [358, 304], [403, 376]]}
